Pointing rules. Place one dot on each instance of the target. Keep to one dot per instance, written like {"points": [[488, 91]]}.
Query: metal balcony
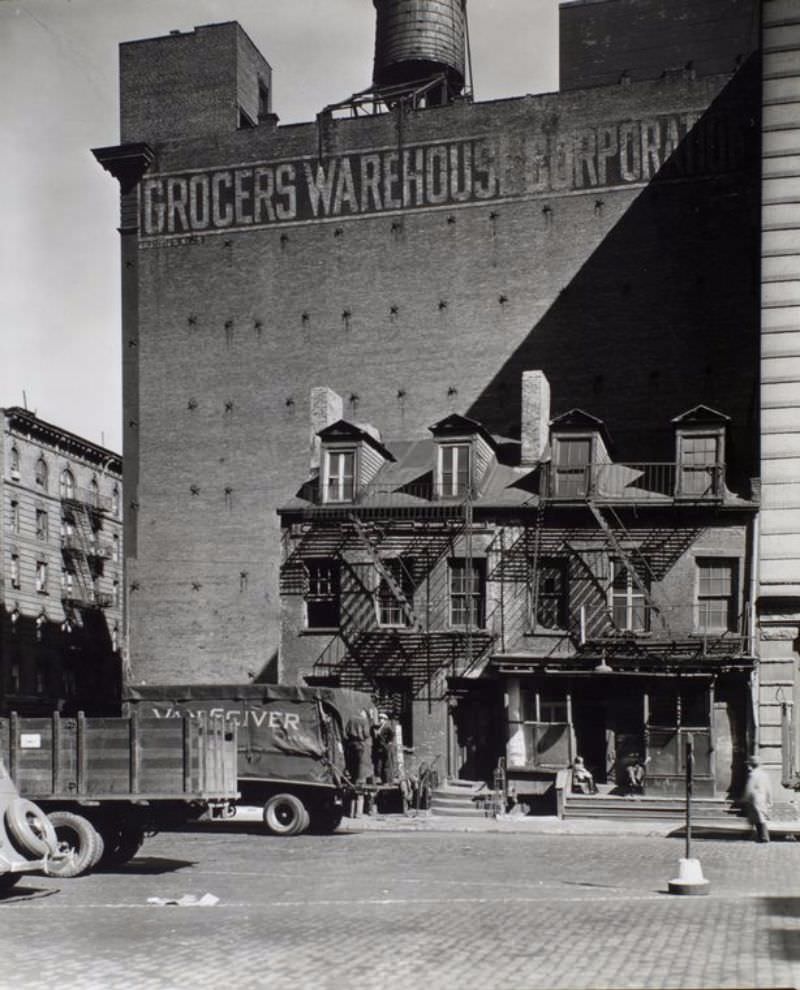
{"points": [[640, 482], [86, 498]]}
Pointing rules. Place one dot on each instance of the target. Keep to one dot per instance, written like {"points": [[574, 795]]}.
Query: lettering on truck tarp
{"points": [[270, 719]]}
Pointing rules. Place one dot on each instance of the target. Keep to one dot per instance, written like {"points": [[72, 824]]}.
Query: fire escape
{"points": [[83, 550], [392, 548]]}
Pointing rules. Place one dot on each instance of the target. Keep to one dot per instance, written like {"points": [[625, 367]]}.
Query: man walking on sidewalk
{"points": [[758, 798]]}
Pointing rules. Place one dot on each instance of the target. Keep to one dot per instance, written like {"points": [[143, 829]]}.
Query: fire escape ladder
{"points": [[627, 560], [385, 573]]}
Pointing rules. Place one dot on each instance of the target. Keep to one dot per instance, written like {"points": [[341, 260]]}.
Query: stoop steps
{"points": [[463, 799]]}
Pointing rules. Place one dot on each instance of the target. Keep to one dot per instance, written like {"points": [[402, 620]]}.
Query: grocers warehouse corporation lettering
{"points": [[439, 174]]}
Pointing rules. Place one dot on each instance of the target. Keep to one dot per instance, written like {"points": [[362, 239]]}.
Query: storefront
{"points": [[616, 718]]}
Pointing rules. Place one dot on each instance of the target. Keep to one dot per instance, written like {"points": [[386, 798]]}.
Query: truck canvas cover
{"points": [[285, 732]]}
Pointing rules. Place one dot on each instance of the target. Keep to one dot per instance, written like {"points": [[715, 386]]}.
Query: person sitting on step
{"points": [[582, 779]]}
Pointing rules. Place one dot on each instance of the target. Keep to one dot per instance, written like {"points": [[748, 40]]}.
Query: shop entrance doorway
{"points": [[609, 734]]}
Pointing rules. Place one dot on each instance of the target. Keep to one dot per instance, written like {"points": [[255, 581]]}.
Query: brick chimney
{"points": [[327, 407], [535, 423]]}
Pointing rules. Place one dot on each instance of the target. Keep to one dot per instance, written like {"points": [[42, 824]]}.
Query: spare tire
{"points": [[30, 828], [76, 835], [285, 814]]}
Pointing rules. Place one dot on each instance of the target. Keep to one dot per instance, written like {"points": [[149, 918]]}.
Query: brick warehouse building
{"points": [[61, 580], [417, 260]]}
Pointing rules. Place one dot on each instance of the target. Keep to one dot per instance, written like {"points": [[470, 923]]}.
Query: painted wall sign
{"points": [[441, 174]]}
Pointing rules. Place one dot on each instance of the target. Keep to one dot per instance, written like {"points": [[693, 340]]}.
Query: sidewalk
{"points": [[424, 821]]}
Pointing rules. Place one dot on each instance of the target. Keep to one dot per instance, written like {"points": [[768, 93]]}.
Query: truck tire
{"points": [[285, 814], [326, 820], [7, 881], [121, 843], [80, 838], [30, 828]]}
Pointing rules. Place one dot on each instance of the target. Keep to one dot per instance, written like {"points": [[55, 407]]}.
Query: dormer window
{"points": [[340, 473], [351, 458], [580, 446], [700, 453], [572, 458], [465, 456], [454, 469]]}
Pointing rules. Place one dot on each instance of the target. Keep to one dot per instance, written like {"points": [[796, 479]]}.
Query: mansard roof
{"points": [[701, 414], [344, 431], [578, 419], [455, 425]]}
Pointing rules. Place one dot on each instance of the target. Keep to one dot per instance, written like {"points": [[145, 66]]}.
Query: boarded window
{"points": [[573, 455]]}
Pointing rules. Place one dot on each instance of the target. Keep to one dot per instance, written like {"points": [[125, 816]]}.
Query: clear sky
{"points": [[59, 252]]}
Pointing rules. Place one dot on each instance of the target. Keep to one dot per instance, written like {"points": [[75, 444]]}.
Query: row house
{"points": [[61, 601], [522, 602]]}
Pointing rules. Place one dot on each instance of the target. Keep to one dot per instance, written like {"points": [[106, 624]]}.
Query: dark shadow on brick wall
{"points": [[664, 315]]}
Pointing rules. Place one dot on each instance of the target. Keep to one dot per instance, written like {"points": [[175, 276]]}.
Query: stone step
{"points": [[585, 806]]}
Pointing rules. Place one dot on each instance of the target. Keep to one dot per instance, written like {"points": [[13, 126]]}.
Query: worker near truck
{"points": [[382, 750], [356, 746]]}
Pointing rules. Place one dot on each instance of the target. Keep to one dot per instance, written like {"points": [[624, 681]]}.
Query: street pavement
{"points": [[398, 903]]}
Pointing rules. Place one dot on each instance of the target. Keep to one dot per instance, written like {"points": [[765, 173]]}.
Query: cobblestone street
{"points": [[388, 908]]}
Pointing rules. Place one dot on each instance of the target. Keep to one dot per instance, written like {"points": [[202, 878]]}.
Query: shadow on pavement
{"points": [[148, 866], [784, 942], [20, 893]]}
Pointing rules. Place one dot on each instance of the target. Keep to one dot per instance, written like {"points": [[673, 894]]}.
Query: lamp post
{"points": [[690, 879]]}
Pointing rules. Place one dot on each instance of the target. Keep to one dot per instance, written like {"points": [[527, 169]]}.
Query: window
{"points": [[341, 475], [14, 516], [572, 458], [14, 463], [689, 707], [628, 604], [115, 500], [322, 593], [13, 678], [66, 582], [716, 594], [94, 493], [41, 474], [551, 593], [67, 484], [41, 524], [115, 548], [700, 464], [41, 576], [467, 592], [15, 582], [455, 469], [115, 593], [390, 608]]}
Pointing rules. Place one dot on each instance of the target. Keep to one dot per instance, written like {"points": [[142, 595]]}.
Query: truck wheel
{"points": [[121, 844], [285, 814], [30, 827], [327, 821], [7, 881], [77, 836]]}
